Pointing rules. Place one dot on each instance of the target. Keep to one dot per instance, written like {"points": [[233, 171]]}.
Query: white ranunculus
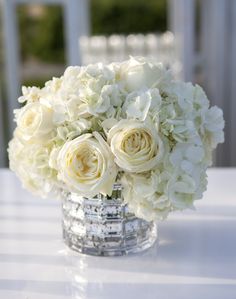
{"points": [[86, 165], [141, 194], [34, 121], [138, 72], [137, 147]]}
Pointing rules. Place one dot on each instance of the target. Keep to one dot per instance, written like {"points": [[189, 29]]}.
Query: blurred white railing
{"points": [[76, 23], [119, 47], [2, 141], [211, 47]]}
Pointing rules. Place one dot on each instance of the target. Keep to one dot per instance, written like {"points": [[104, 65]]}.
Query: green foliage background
{"points": [[128, 16], [43, 38]]}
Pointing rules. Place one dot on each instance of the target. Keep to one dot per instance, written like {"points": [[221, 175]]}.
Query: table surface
{"points": [[195, 256]]}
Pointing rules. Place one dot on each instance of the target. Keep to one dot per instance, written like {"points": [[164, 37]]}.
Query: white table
{"points": [[195, 256]]}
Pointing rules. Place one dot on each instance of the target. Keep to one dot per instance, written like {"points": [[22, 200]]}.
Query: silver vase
{"points": [[103, 225]]}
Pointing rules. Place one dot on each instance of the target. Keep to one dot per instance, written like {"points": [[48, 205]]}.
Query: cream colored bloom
{"points": [[86, 165], [34, 121], [136, 146], [139, 72]]}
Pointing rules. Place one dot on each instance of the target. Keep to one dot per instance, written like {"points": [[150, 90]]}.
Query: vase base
{"points": [[112, 246]]}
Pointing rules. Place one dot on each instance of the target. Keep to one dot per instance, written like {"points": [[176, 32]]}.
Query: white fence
{"points": [[219, 61], [76, 22], [212, 48], [119, 47], [2, 141]]}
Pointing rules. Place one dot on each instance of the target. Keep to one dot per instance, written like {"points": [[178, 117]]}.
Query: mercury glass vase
{"points": [[103, 225]]}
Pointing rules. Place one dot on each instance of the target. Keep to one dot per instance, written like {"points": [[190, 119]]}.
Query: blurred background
{"points": [[196, 39]]}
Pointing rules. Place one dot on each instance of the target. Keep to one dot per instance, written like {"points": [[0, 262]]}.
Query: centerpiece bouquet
{"points": [[127, 124]]}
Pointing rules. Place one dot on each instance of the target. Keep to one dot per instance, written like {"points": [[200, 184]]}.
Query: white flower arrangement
{"points": [[128, 122]]}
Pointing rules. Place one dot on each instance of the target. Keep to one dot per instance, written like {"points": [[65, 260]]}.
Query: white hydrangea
{"points": [[30, 162], [128, 122], [139, 104], [213, 123], [146, 194]]}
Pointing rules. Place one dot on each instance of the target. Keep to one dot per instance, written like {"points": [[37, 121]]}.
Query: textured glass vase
{"points": [[104, 226]]}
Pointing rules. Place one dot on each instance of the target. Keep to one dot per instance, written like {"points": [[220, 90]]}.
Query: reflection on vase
{"points": [[104, 226]]}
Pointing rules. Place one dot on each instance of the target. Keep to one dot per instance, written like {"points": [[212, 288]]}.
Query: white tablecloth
{"points": [[194, 258]]}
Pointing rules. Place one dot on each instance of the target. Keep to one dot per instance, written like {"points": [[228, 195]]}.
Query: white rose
{"points": [[136, 146], [86, 165], [139, 72], [34, 121]]}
